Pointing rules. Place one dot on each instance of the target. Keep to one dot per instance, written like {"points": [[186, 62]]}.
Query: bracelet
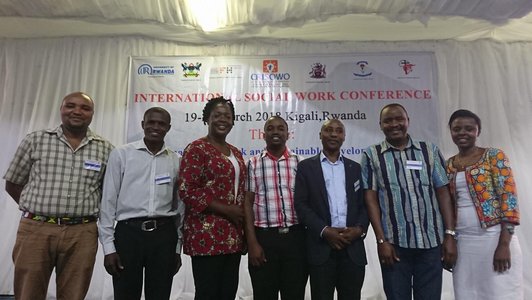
{"points": [[450, 232], [509, 227]]}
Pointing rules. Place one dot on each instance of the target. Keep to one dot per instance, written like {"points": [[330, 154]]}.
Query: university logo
{"points": [[147, 69], [407, 66], [270, 66], [191, 70], [317, 70], [362, 69]]}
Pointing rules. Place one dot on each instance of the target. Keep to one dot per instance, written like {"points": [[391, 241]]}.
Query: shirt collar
{"points": [[287, 153], [385, 146], [90, 135], [324, 158], [140, 145]]}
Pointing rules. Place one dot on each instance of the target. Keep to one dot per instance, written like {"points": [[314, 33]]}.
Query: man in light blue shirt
{"points": [[334, 176], [140, 194]]}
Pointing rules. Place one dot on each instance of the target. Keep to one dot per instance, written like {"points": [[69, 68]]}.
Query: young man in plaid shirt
{"points": [[276, 240]]}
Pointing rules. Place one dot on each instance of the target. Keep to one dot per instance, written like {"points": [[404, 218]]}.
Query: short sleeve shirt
{"points": [[273, 180], [406, 181], [58, 180]]}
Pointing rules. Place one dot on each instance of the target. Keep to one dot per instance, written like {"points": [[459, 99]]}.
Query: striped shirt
{"points": [[273, 180], [59, 181], [406, 182]]}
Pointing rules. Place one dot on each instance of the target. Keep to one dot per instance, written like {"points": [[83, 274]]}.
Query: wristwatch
{"points": [[451, 233]]}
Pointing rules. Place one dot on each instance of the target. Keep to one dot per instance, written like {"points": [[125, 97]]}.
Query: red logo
{"points": [[406, 66], [270, 66]]}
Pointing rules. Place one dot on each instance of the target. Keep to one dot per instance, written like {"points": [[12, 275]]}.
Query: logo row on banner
{"points": [[270, 70], [305, 90]]}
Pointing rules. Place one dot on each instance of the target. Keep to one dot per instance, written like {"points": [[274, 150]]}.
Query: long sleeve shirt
{"points": [[139, 184], [207, 175]]}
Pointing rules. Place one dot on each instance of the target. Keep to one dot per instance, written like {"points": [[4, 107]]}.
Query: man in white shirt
{"points": [[139, 193]]}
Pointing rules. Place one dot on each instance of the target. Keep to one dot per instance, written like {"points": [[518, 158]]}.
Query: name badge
{"points": [[414, 165], [163, 178], [92, 165], [357, 185]]}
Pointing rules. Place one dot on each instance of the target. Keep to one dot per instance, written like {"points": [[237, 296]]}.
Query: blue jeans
{"points": [[419, 270]]}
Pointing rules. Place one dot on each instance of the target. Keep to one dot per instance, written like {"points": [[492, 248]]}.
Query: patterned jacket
{"points": [[207, 175], [491, 186]]}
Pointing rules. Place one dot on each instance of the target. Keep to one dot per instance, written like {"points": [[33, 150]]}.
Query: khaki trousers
{"points": [[40, 247]]}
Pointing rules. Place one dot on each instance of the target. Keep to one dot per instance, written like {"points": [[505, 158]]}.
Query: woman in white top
{"points": [[489, 264]]}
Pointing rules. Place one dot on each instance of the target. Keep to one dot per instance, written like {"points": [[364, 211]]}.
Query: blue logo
{"points": [[270, 77], [147, 69], [363, 70]]}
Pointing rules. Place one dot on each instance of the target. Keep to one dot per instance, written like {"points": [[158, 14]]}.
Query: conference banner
{"points": [[305, 90]]}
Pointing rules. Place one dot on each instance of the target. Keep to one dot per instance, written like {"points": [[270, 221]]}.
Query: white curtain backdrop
{"points": [[492, 79]]}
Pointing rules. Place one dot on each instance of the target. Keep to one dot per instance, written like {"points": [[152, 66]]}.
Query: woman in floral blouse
{"points": [[489, 264], [211, 184]]}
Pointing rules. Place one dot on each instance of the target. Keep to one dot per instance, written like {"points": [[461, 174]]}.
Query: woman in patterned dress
{"points": [[211, 184]]}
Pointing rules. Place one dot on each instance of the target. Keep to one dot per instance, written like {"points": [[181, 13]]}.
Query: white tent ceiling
{"points": [[43, 66], [212, 21]]}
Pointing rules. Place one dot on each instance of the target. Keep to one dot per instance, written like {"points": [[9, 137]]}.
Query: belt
{"points": [[59, 220], [281, 229], [148, 224]]}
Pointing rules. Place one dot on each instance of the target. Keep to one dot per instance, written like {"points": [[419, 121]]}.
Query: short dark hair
{"points": [[276, 117], [158, 110], [464, 113], [212, 103], [328, 121], [392, 105]]}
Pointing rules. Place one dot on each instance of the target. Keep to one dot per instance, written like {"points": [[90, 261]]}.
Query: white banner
{"points": [[305, 90]]}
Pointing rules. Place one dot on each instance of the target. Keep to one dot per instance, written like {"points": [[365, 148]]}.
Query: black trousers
{"points": [[338, 272], [286, 268], [216, 277], [145, 253]]}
